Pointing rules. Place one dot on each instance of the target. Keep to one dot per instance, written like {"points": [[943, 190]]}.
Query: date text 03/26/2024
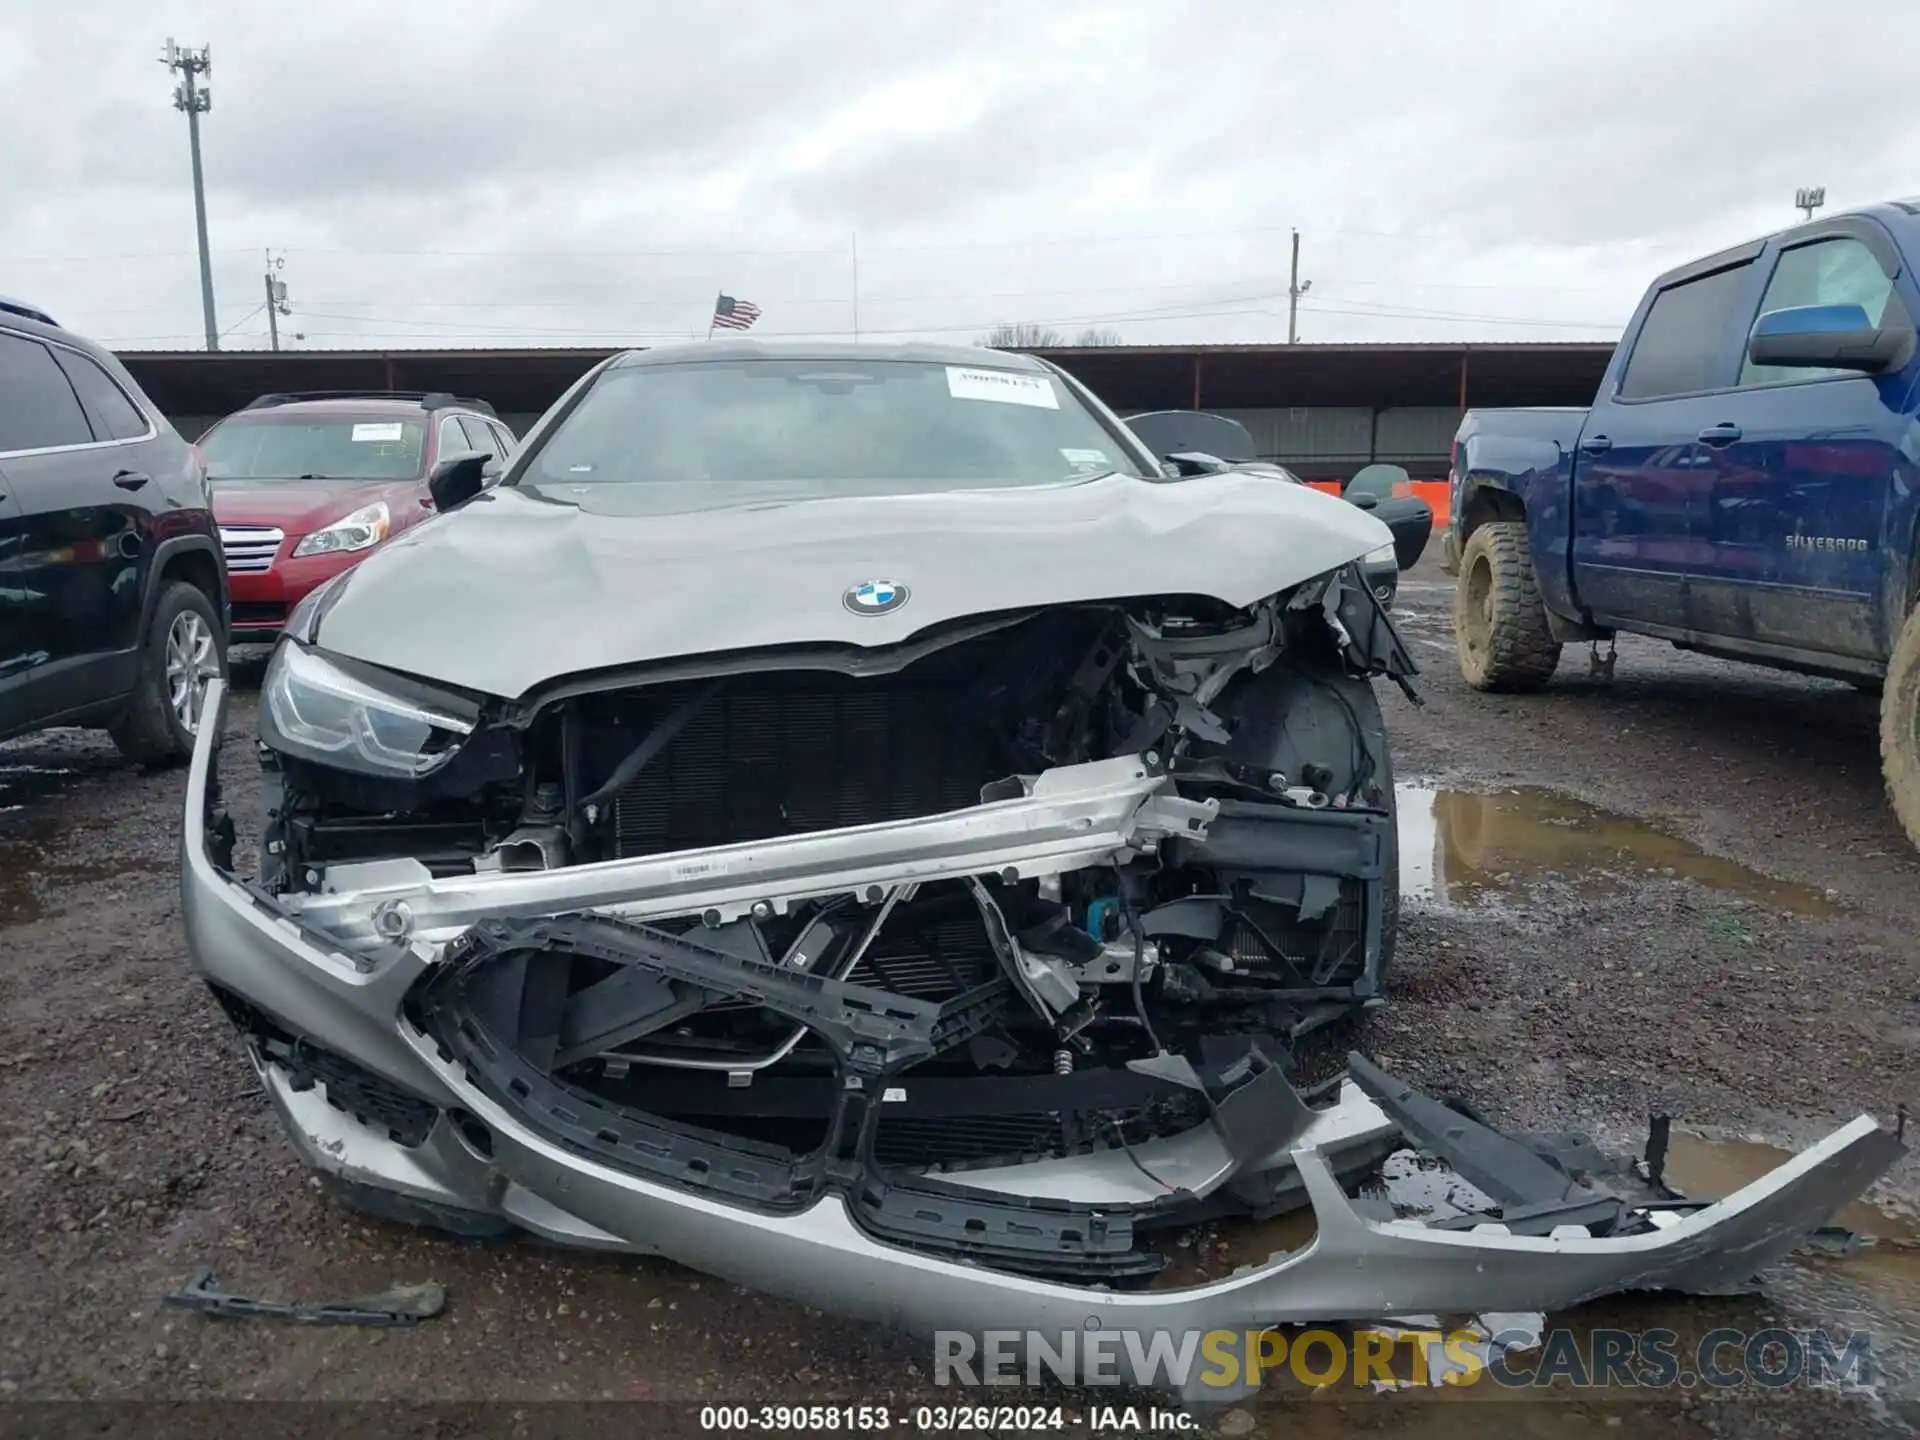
{"points": [[933, 1419]]}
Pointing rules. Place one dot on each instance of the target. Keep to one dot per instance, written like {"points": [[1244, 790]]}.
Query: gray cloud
{"points": [[524, 171]]}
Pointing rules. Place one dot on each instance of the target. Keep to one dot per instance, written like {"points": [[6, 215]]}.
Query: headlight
{"points": [[321, 711], [1382, 555], [362, 530]]}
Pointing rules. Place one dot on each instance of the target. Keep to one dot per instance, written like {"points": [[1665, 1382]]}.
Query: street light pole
{"points": [[196, 100]]}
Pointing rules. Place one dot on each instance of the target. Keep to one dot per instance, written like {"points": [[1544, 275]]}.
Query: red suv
{"points": [[305, 485]]}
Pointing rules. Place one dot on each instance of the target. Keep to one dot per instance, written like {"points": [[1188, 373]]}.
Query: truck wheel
{"points": [[1900, 728], [1499, 625], [185, 648]]}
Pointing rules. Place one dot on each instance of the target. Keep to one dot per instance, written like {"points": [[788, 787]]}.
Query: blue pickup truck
{"points": [[1746, 484]]}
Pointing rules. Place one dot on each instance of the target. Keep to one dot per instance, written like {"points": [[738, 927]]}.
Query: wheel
{"points": [[184, 650], [1499, 625], [1900, 728]]}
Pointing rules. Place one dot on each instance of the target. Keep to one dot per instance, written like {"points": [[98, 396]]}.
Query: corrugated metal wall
{"points": [[1350, 433], [192, 427], [1416, 432]]}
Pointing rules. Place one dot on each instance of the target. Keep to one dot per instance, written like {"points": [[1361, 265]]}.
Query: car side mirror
{"points": [[1836, 337], [459, 477]]}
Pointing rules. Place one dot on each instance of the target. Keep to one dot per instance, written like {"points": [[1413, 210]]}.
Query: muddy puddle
{"points": [[1457, 847], [1875, 1287], [28, 882]]}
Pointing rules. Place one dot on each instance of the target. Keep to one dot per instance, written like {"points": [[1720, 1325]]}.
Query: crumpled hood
{"points": [[515, 589], [299, 507]]}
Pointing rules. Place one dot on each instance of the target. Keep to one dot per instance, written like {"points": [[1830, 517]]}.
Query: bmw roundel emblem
{"points": [[874, 597]]}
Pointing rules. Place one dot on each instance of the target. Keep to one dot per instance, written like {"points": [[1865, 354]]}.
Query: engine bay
{"points": [[1194, 868]]}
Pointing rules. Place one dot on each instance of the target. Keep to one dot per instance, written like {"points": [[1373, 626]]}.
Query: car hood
{"points": [[299, 507], [517, 588]]}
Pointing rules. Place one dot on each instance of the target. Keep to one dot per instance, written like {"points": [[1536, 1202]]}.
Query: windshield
{"points": [[828, 427], [290, 447]]}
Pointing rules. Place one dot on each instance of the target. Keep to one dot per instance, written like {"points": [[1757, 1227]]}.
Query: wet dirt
{"points": [[136, 1148], [1461, 846]]}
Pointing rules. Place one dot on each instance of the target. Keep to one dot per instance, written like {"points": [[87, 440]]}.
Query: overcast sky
{"points": [[501, 172]]}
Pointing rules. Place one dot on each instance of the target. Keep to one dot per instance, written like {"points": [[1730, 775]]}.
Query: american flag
{"points": [[732, 314]]}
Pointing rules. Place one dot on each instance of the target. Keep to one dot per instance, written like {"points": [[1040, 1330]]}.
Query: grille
{"points": [[959, 1140], [934, 963], [912, 1142], [250, 548], [784, 759], [1329, 952], [367, 1097]]}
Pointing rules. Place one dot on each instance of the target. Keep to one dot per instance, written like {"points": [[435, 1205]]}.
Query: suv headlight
{"points": [[1381, 555], [354, 717], [362, 530]]}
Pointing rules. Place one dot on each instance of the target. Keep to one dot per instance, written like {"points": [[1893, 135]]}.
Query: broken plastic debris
{"points": [[396, 1305]]}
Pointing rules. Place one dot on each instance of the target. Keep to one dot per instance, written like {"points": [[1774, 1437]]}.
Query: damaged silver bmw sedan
{"points": [[850, 820]]}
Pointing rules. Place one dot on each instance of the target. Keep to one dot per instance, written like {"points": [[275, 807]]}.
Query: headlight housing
{"points": [[356, 718], [1381, 555], [362, 530]]}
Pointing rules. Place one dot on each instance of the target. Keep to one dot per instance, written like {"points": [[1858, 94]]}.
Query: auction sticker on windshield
{"points": [[379, 430], [1003, 386], [1086, 459]]}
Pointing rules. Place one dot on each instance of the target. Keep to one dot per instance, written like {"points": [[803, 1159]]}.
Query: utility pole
{"points": [[1810, 200], [277, 302], [196, 100], [1295, 289]]}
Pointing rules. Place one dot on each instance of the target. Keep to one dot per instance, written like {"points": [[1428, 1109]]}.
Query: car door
{"points": [[1801, 468], [480, 436], [484, 437], [83, 532], [16, 629], [1640, 461]]}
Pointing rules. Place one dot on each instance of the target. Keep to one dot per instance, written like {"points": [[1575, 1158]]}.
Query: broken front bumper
{"points": [[475, 1162]]}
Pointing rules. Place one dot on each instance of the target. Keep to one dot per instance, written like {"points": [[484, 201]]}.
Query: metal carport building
{"points": [[1322, 410]]}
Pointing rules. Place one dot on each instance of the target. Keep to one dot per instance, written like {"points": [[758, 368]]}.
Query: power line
{"points": [[721, 252]]}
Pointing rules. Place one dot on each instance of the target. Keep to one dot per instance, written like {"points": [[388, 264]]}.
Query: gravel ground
{"points": [[138, 1149]]}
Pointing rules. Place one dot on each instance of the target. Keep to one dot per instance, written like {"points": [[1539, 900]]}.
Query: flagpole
{"points": [[856, 284], [714, 314]]}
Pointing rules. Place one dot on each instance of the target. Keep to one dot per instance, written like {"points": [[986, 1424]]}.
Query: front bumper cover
{"points": [[482, 1159]]}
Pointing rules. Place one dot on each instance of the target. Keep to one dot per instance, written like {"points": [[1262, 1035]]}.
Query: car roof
{"points": [[322, 403], [20, 309], [340, 407], [911, 350]]}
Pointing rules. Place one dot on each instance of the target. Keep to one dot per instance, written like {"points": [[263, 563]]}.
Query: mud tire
{"points": [[1900, 729], [149, 733], [1499, 624]]}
